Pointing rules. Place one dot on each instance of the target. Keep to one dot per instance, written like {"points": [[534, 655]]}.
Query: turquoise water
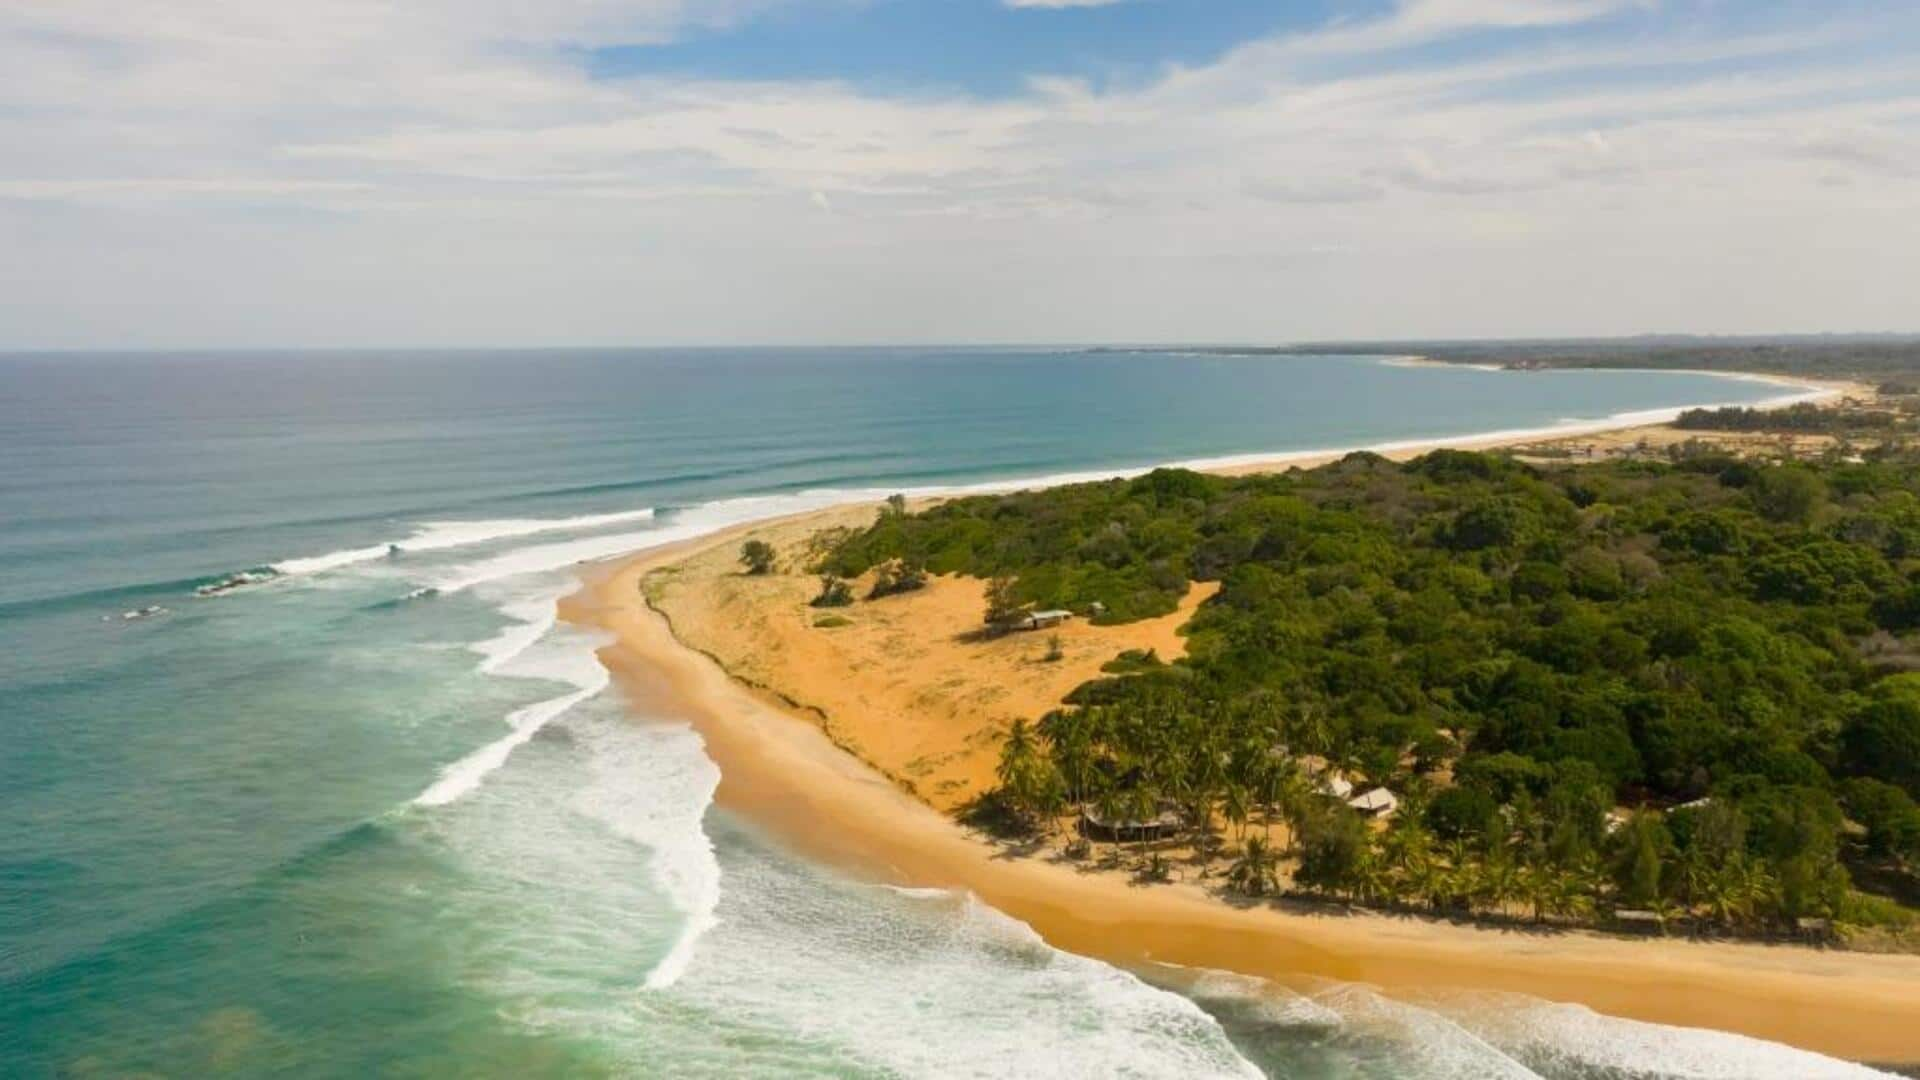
{"points": [[379, 815]]}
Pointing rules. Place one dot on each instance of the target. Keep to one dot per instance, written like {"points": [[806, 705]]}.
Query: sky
{"points": [[246, 173]]}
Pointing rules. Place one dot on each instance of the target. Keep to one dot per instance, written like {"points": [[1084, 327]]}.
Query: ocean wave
{"points": [[576, 667], [439, 535], [1561, 1039], [443, 535], [656, 794], [532, 617], [1449, 1051], [942, 985], [1498, 1034], [689, 524]]}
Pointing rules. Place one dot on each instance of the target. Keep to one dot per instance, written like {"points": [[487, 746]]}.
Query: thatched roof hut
{"points": [[1097, 826]]}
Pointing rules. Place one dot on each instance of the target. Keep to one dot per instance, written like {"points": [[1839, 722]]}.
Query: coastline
{"points": [[782, 768]]}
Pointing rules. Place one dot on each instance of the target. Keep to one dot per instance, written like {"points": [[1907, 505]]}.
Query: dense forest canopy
{"points": [[1715, 646]]}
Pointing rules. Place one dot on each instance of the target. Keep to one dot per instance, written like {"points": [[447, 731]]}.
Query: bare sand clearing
{"points": [[906, 683], [785, 706]]}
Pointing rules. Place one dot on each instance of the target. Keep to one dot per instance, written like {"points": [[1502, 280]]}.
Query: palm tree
{"points": [[1500, 881], [1307, 731], [1371, 882], [1026, 774], [1537, 887], [1235, 807], [1755, 889], [1254, 873]]}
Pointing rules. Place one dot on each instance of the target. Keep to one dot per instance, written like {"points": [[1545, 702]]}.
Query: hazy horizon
{"points": [[1362, 346]]}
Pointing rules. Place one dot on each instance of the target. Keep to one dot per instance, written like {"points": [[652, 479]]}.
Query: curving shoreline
{"points": [[780, 769]]}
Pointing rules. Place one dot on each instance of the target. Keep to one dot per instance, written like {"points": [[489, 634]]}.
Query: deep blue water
{"points": [[264, 832]]}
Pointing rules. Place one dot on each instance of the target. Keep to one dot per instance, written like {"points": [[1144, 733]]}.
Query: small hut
{"points": [[1378, 802], [1337, 786], [1814, 930], [1042, 620], [1635, 921], [1096, 826]]}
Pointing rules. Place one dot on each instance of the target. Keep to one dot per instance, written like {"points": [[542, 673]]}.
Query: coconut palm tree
{"points": [[1255, 872], [1499, 880], [1537, 889], [1027, 774], [1236, 807]]}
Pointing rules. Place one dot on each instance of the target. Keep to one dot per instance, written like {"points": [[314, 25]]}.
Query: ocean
{"points": [[371, 811]]}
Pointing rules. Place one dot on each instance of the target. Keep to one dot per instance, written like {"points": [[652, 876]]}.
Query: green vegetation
{"points": [[1870, 357], [1803, 418], [831, 622], [1680, 688], [834, 592], [897, 576], [757, 556]]}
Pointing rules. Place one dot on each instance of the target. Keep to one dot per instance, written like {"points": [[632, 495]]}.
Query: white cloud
{"points": [[367, 171]]}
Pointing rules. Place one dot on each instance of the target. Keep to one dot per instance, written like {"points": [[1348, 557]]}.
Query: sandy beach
{"points": [[849, 741]]}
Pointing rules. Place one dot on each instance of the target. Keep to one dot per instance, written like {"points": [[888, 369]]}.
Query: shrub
{"points": [[834, 592], [897, 576], [757, 556]]}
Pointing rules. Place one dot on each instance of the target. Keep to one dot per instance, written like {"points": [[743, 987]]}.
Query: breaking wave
{"points": [[442, 535], [577, 667]]}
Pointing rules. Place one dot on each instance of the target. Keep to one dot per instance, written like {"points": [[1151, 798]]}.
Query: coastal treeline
{"points": [[1683, 689], [1892, 358], [1801, 419]]}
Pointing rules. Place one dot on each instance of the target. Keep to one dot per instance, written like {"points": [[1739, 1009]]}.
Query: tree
{"points": [[1787, 493], [1892, 820], [1333, 844], [1463, 813], [1255, 872], [1027, 775], [757, 556], [1002, 603], [1641, 849], [1882, 736], [1494, 522]]}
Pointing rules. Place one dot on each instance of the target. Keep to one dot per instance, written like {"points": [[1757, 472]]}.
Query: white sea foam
{"points": [[577, 667], [872, 982], [1559, 1038], [439, 535], [685, 525], [532, 617], [332, 560], [656, 793], [442, 535], [1270, 1002], [1447, 1050]]}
